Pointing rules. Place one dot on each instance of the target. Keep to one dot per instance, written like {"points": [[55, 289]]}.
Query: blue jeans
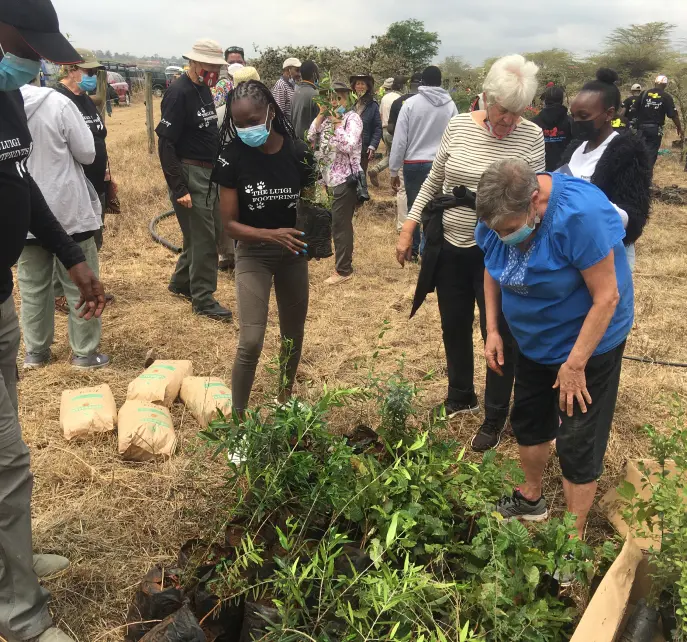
{"points": [[414, 175]]}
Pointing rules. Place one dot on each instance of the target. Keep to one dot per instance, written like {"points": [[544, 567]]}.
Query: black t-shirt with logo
{"points": [[23, 207], [269, 185], [189, 120], [630, 107], [653, 107], [95, 172]]}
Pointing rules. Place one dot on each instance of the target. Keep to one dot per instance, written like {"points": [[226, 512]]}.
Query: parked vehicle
{"points": [[160, 82], [132, 75], [119, 84]]}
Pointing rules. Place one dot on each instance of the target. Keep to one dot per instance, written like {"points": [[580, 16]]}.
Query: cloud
{"points": [[473, 30]]}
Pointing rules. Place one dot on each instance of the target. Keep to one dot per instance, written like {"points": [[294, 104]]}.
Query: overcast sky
{"points": [[475, 29]]}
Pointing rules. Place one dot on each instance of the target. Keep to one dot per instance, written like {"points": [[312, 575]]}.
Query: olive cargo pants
{"points": [[23, 602], [196, 270]]}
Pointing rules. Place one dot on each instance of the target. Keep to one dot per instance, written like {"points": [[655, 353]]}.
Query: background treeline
{"points": [[637, 52]]}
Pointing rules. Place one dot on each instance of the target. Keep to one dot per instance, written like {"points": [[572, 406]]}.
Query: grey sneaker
{"points": [[46, 565], [33, 361], [517, 507], [91, 362], [53, 634]]}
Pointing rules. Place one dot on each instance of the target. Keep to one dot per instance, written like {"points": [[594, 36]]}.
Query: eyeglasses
{"points": [[232, 50]]}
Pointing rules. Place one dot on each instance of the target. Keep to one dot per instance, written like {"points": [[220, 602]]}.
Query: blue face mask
{"points": [[521, 235], [88, 83], [16, 72], [255, 136], [340, 111]]}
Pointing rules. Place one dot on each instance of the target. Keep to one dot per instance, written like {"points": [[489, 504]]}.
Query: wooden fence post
{"points": [[149, 112], [100, 97]]}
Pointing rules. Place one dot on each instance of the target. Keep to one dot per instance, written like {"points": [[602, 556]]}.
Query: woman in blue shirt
{"points": [[556, 265]]}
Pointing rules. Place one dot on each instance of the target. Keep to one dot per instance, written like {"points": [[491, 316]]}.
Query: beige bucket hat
{"points": [[206, 50]]}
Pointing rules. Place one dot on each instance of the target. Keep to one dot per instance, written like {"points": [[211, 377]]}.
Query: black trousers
{"points": [[652, 135], [460, 282]]}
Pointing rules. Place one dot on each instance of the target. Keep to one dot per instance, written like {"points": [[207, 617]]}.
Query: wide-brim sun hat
{"points": [[366, 77], [388, 83], [37, 23], [90, 60], [339, 86], [207, 51]]}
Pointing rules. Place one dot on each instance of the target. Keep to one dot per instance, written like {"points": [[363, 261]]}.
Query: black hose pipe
{"points": [[672, 364], [159, 239]]}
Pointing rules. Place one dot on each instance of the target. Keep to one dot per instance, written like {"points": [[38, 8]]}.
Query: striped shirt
{"points": [[283, 95], [466, 151]]}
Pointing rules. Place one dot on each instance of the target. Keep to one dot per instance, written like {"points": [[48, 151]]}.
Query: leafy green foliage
{"points": [[408, 43], [663, 515], [396, 540]]}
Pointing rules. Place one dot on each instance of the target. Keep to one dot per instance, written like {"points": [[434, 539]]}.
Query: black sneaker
{"points": [[216, 312], [489, 435], [516, 506], [180, 293], [454, 408]]}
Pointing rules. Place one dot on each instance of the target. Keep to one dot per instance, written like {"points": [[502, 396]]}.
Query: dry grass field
{"points": [[115, 520]]}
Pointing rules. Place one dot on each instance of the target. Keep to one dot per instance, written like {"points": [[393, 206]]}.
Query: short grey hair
{"points": [[505, 191], [511, 83]]}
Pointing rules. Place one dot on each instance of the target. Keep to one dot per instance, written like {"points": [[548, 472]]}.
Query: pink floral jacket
{"points": [[337, 151]]}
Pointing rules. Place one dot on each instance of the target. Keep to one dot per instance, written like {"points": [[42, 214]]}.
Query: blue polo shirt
{"points": [[544, 297]]}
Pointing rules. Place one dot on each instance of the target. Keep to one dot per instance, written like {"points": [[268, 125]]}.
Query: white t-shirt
{"points": [[388, 99], [583, 166]]}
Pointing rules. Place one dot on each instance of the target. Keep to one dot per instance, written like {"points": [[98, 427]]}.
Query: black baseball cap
{"points": [[37, 23]]}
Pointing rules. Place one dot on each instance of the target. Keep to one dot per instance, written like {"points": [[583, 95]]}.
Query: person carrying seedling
{"points": [[337, 137], [261, 171]]}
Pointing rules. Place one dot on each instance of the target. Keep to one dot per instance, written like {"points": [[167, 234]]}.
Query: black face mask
{"points": [[585, 130]]}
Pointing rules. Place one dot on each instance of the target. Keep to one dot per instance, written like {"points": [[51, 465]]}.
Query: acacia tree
{"points": [[408, 44], [638, 50]]}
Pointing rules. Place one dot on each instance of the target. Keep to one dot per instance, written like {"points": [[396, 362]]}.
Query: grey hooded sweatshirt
{"points": [[62, 143], [421, 124]]}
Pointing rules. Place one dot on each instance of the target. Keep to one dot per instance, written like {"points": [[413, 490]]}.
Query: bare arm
{"points": [[603, 286], [493, 347], [678, 124]]}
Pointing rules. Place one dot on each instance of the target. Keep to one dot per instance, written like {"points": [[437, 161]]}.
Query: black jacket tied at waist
{"points": [[433, 229]]}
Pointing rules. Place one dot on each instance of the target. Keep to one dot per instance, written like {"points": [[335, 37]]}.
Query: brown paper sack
{"points": [[160, 383], [87, 411], [146, 431], [603, 619], [204, 396], [612, 504]]}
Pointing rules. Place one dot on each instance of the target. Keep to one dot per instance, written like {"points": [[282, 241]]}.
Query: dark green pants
{"points": [[196, 271], [23, 602]]}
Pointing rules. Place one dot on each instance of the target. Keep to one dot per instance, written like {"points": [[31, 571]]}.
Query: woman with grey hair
{"points": [[471, 143], [557, 268]]}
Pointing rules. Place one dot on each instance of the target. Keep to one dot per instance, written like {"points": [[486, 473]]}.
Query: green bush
{"points": [[391, 540]]}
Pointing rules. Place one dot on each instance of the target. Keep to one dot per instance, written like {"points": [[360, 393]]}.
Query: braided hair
{"points": [[260, 94]]}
